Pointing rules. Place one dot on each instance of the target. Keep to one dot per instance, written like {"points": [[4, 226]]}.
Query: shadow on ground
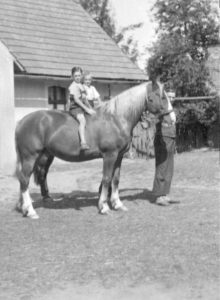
{"points": [[79, 199]]}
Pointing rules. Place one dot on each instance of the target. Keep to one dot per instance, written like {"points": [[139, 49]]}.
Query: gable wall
{"points": [[31, 94]]}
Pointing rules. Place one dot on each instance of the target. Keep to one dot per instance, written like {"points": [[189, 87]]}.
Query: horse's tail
{"points": [[38, 170], [18, 164], [18, 168]]}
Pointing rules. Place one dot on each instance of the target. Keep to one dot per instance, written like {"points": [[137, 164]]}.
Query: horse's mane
{"points": [[127, 102]]}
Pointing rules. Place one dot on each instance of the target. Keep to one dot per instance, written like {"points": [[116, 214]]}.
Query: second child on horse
{"points": [[91, 93]]}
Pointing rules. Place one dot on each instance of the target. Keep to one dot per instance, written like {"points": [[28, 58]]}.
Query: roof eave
{"points": [[19, 66], [24, 74]]}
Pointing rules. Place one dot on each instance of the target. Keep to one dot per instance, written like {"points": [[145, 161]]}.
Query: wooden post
{"points": [[7, 114], [109, 91]]}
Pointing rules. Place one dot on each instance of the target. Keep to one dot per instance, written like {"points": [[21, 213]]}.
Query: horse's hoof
{"points": [[105, 211], [121, 208], [33, 216], [18, 207], [30, 214]]}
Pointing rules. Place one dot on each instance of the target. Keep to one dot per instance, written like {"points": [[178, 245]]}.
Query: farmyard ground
{"points": [[150, 252]]}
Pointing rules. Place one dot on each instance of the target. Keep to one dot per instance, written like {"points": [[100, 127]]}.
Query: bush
{"points": [[194, 123]]}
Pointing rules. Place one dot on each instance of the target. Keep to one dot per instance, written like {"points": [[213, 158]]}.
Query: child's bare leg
{"points": [[82, 124]]}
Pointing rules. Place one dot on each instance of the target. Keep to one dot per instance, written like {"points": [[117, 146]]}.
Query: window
{"points": [[57, 95]]}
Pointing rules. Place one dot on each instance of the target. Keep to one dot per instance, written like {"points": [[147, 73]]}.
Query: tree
{"points": [[185, 30], [100, 10], [126, 41], [193, 20]]}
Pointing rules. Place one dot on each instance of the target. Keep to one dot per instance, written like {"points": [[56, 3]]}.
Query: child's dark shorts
{"points": [[75, 111]]}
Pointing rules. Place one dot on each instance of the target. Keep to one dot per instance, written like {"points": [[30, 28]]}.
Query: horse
{"points": [[42, 135]]}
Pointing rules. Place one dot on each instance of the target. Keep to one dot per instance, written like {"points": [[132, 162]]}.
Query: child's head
{"points": [[87, 79], [77, 74]]}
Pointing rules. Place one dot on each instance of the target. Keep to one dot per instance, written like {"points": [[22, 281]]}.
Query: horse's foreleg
{"points": [[44, 189], [25, 201], [115, 199], [108, 167], [109, 190]]}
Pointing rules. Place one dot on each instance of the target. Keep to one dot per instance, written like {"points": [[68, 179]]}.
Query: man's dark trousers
{"points": [[164, 159]]}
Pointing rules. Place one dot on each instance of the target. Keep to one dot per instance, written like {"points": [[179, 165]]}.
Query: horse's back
{"points": [[36, 119], [57, 133], [33, 128], [36, 116]]}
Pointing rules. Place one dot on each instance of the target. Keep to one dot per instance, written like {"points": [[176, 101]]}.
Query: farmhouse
{"points": [[40, 41]]}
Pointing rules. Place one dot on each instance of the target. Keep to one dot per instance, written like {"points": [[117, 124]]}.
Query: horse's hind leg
{"points": [[25, 201], [108, 167], [40, 173], [44, 187]]}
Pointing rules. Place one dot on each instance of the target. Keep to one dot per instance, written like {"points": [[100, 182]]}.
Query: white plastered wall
{"points": [[7, 117]]}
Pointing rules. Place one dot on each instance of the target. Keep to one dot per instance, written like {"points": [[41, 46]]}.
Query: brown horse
{"points": [[42, 135]]}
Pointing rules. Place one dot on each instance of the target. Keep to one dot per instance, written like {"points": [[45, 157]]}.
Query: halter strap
{"points": [[146, 96]]}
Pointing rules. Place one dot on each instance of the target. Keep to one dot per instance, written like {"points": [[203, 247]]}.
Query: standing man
{"points": [[164, 142], [164, 145]]}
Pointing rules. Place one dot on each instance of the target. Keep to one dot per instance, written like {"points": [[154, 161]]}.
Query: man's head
{"points": [[171, 95]]}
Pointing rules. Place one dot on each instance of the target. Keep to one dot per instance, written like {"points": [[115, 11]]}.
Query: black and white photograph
{"points": [[109, 150]]}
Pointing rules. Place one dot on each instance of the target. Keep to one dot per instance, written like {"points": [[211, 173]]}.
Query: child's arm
{"points": [[97, 96], [86, 108], [86, 101], [77, 97], [68, 100]]}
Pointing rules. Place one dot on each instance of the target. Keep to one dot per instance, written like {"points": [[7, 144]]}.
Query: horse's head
{"points": [[154, 104]]}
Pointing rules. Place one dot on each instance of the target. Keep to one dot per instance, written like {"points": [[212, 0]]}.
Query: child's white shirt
{"points": [[91, 92]]}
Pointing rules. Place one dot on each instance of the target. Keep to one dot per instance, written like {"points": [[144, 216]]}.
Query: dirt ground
{"points": [[147, 253]]}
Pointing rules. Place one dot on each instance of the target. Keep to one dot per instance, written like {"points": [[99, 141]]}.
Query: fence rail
{"points": [[194, 98]]}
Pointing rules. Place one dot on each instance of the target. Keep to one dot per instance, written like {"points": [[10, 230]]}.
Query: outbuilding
{"points": [[40, 41]]}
